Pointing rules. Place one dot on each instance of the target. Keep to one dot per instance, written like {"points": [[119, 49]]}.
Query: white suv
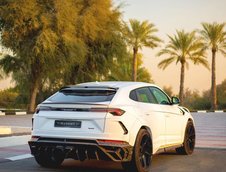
{"points": [[126, 122]]}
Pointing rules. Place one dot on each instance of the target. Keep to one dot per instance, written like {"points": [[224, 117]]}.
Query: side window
{"points": [[133, 95], [160, 96], [143, 95]]}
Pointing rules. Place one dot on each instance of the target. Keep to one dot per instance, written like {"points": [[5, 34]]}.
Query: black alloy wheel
{"points": [[145, 152], [49, 158], [189, 140], [142, 154]]}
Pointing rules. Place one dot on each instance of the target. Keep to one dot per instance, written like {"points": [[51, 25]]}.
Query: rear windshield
{"points": [[74, 96]]}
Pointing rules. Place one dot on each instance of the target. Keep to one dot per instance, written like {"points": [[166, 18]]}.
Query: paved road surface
{"points": [[210, 130], [209, 154], [202, 160], [15, 125], [16, 120]]}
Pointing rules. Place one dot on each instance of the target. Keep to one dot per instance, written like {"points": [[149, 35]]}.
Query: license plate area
{"points": [[67, 124]]}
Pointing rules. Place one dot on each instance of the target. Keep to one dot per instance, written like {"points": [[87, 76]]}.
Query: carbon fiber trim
{"points": [[83, 149]]}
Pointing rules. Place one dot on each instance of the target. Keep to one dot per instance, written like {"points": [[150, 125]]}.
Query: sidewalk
{"points": [[14, 131], [13, 125]]}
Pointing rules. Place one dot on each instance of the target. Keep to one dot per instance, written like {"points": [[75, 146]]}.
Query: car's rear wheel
{"points": [[189, 140], [50, 158], [142, 154]]}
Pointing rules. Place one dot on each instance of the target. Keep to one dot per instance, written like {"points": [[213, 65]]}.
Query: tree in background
{"points": [[195, 101], [168, 90], [8, 98], [58, 43], [221, 94], [183, 47], [122, 70], [36, 34], [214, 37], [3, 52], [100, 29], [16, 68], [137, 35]]}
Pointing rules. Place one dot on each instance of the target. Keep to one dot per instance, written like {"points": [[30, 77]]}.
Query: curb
{"points": [[15, 134], [21, 113], [3, 113], [6, 131], [208, 111]]}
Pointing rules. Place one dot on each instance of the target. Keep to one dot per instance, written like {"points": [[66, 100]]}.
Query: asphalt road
{"points": [[16, 120], [202, 160], [209, 155]]}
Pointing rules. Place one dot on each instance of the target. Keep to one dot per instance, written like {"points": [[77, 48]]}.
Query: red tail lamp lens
{"points": [[34, 138], [113, 111]]}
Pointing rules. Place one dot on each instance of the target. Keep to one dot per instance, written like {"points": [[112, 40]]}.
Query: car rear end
{"points": [[78, 122]]}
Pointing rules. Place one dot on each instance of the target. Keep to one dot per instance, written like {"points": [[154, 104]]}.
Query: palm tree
{"points": [[121, 70], [137, 35], [0, 67], [183, 47], [215, 39]]}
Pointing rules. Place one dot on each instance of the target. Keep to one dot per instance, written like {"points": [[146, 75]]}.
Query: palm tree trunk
{"points": [[182, 74], [34, 92], [213, 84], [134, 73]]}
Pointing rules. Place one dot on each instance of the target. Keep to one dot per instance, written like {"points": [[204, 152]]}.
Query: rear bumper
{"points": [[79, 149]]}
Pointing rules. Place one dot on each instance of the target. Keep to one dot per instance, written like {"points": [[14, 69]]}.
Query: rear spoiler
{"points": [[79, 103], [88, 88]]}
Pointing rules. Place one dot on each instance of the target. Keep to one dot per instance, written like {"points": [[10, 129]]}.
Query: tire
{"points": [[50, 158], [142, 154], [189, 140]]}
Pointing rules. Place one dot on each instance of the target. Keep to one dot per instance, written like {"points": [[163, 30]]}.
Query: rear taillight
{"points": [[34, 138], [43, 108], [32, 123], [113, 111]]}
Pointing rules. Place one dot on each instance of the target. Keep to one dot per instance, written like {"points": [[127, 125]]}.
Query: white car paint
{"points": [[166, 123]]}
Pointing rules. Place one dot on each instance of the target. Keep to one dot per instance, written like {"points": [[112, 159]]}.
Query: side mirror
{"points": [[175, 100]]}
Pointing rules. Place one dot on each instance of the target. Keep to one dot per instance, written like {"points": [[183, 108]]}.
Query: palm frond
{"points": [[213, 34], [138, 34], [223, 52], [166, 62], [167, 51], [184, 46], [197, 60]]}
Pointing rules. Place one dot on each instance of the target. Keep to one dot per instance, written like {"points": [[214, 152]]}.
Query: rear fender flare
{"points": [[134, 131]]}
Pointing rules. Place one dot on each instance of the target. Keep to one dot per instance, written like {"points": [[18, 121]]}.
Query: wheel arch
{"points": [[146, 128], [149, 131], [135, 130], [190, 120], [184, 130]]}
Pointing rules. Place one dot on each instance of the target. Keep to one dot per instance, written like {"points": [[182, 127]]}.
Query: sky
{"points": [[169, 16]]}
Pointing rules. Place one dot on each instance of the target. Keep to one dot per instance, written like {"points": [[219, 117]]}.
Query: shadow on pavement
{"points": [[202, 160]]}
